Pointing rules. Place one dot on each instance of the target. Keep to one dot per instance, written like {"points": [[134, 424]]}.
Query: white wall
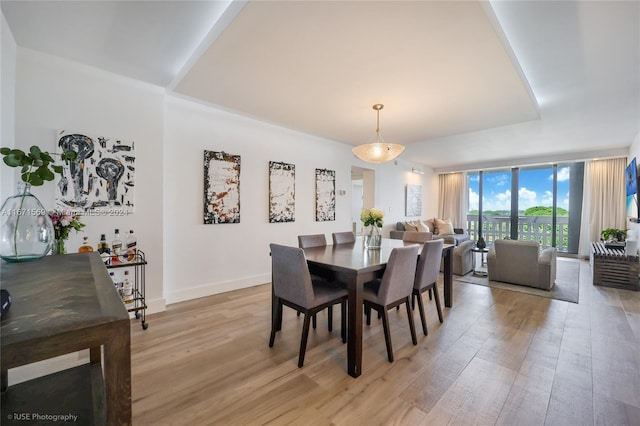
{"points": [[55, 94], [7, 103]]}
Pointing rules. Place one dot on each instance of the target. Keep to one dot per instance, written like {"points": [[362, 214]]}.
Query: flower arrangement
{"points": [[372, 217], [63, 222]]}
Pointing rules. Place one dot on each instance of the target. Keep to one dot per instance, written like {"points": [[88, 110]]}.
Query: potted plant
{"points": [[26, 228], [611, 234]]}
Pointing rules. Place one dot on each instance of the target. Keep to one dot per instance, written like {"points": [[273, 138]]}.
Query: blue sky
{"points": [[535, 189]]}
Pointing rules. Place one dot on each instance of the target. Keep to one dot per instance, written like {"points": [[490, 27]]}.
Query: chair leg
{"points": [[422, 316], [303, 340], [330, 318], [437, 297], [367, 313], [315, 321], [412, 327], [343, 321], [387, 334], [429, 294], [276, 320]]}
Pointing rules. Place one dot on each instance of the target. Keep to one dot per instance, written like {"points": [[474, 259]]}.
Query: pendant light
{"points": [[378, 151]]}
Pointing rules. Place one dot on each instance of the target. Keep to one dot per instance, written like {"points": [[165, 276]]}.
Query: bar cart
{"points": [[138, 304]]}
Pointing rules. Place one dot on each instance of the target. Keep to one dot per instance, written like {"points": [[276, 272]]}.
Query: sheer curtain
{"points": [[452, 202], [604, 200]]}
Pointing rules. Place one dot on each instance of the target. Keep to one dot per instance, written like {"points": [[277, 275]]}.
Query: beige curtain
{"points": [[603, 201], [452, 202]]}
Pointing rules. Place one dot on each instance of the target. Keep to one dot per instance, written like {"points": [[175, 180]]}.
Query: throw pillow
{"points": [[410, 227], [431, 223], [422, 227], [444, 226]]}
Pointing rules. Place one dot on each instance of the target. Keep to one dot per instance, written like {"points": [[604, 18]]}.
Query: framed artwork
{"points": [[282, 192], [325, 195], [221, 188], [101, 178], [413, 205]]}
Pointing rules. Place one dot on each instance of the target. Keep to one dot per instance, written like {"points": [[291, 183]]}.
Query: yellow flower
{"points": [[371, 217]]}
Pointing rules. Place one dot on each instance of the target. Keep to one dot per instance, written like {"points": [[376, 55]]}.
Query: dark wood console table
{"points": [[64, 304], [613, 268]]}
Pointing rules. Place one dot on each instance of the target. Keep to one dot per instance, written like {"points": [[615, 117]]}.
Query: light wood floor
{"points": [[500, 357]]}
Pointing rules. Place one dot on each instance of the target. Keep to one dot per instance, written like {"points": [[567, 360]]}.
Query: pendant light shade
{"points": [[378, 151]]}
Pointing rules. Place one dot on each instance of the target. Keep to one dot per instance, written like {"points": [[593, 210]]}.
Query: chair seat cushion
{"points": [[326, 291]]}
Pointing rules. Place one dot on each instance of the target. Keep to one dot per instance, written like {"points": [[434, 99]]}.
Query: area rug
{"points": [[566, 287]]}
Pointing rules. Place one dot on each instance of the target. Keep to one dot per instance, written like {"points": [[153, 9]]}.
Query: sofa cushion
{"points": [[400, 226], [423, 227], [408, 226], [444, 227]]}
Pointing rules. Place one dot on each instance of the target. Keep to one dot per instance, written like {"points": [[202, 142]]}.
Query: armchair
{"points": [[522, 262]]}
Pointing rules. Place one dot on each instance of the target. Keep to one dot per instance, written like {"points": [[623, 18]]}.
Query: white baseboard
{"points": [[216, 288]]}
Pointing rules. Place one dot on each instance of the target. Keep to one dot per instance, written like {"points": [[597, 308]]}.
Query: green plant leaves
{"points": [[37, 166]]}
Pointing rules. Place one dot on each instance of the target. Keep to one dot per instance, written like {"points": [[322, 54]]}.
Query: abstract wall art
{"points": [[282, 192], [221, 188], [101, 178], [325, 195], [413, 205]]}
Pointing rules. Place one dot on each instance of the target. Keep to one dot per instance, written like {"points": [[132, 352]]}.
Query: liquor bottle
{"points": [[116, 247], [103, 249], [116, 283], [127, 288], [85, 247], [132, 246]]}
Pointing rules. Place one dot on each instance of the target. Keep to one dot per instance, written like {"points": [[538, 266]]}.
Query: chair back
{"points": [[517, 261], [290, 275], [315, 240], [417, 237], [428, 268], [397, 281], [343, 237]]}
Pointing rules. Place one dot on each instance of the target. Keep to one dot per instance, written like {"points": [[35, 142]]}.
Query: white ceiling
{"points": [[464, 83]]}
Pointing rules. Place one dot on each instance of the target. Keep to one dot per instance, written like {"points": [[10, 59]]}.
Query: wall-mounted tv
{"points": [[631, 184], [631, 178]]}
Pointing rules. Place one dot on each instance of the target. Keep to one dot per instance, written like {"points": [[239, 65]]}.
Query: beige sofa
{"points": [[461, 260], [458, 236], [522, 262]]}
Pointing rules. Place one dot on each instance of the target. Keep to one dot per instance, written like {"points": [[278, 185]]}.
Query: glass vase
{"points": [[372, 238], [58, 247], [26, 231]]}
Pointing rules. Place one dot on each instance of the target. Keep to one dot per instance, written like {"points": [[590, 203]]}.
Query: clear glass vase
{"points": [[372, 238], [26, 231]]}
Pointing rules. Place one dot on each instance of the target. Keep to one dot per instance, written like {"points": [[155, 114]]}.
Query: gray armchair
{"points": [[461, 260], [522, 262]]}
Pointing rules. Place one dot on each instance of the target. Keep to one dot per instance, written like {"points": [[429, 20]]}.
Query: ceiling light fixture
{"points": [[378, 151]]}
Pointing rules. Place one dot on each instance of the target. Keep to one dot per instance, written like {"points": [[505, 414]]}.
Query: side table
{"points": [[481, 270]]}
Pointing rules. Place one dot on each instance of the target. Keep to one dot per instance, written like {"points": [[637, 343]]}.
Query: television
{"points": [[631, 185], [631, 178]]}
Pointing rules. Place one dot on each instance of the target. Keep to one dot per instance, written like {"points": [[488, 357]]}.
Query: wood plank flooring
{"points": [[499, 358]]}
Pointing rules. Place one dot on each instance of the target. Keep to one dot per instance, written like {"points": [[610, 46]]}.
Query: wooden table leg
{"points": [[354, 327], [4, 380], [117, 375], [448, 278]]}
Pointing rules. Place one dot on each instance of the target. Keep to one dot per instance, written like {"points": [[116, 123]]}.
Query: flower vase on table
{"points": [[58, 247], [63, 222], [26, 231], [372, 238], [372, 220]]}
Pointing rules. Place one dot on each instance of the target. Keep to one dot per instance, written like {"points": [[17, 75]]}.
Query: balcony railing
{"points": [[530, 228]]}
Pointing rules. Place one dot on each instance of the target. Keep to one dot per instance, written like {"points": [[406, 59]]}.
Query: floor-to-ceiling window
{"points": [[541, 203]]}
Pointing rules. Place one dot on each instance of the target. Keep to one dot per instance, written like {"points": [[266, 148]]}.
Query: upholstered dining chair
{"points": [[343, 237], [316, 240], [417, 237], [426, 277], [293, 287], [313, 240], [393, 289]]}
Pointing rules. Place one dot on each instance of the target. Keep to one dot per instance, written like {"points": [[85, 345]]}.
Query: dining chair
{"points": [[417, 237], [312, 240], [293, 287], [426, 278], [316, 240], [393, 289], [343, 237]]}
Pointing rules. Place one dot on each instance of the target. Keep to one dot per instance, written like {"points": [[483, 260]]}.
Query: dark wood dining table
{"points": [[353, 265]]}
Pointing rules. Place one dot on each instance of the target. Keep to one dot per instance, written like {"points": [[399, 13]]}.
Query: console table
{"points": [[613, 268], [63, 304]]}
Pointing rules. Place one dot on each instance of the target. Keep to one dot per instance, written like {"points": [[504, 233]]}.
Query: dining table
{"points": [[353, 265]]}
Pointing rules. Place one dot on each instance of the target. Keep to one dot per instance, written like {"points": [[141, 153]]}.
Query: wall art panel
{"points": [[101, 178], [414, 200], [282, 192], [221, 187], [325, 195]]}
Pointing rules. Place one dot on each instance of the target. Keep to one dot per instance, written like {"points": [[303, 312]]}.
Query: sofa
{"points": [[445, 231], [522, 262], [461, 260]]}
